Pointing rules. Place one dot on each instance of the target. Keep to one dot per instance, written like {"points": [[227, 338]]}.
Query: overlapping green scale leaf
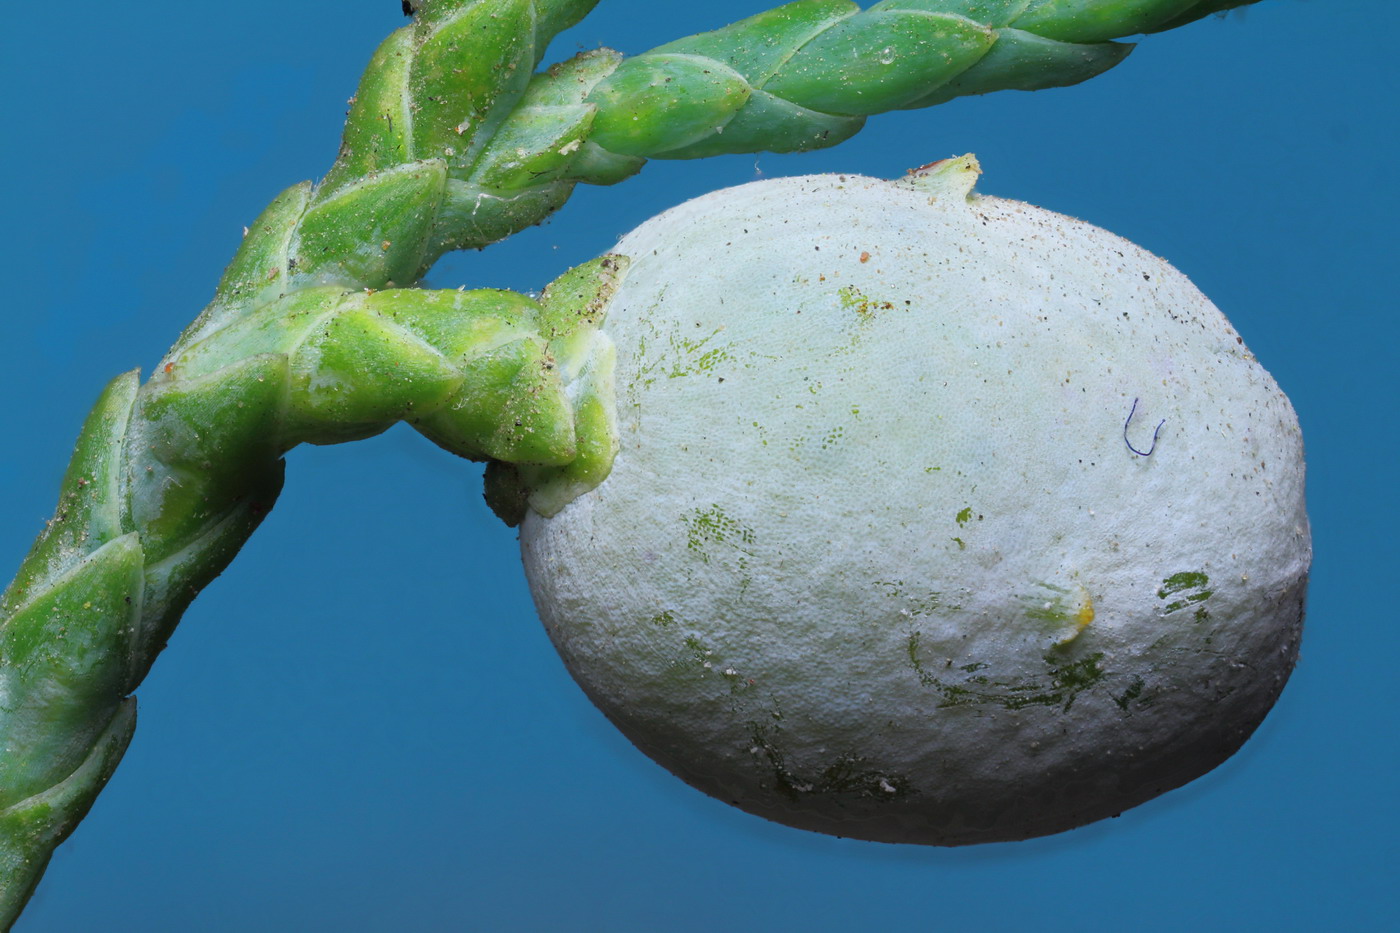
{"points": [[378, 129], [197, 444], [90, 498], [68, 664], [31, 829], [372, 233], [1097, 20], [463, 67], [1023, 61], [879, 61], [698, 96], [758, 46], [538, 142], [259, 268]]}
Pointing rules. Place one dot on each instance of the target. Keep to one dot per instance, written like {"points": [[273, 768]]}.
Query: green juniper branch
{"points": [[806, 75], [171, 477], [316, 335]]}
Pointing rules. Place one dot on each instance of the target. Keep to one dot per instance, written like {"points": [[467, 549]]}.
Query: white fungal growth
{"points": [[999, 519]]}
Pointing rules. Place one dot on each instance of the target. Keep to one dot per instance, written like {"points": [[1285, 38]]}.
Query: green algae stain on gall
{"points": [[853, 299], [1070, 680], [701, 659], [692, 356], [1134, 695], [966, 685], [847, 776], [711, 526], [1185, 589], [925, 603]]}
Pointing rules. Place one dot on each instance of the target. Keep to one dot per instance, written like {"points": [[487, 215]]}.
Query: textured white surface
{"points": [[875, 558]]}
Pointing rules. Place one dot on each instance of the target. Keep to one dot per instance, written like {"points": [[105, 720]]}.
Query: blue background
{"points": [[361, 726]]}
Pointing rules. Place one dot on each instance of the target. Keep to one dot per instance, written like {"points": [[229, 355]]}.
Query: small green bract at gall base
{"points": [[887, 478]]}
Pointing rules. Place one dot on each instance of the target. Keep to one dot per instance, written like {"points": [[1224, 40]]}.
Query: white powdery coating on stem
{"points": [[876, 558]]}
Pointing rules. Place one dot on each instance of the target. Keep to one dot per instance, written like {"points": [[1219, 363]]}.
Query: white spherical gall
{"points": [[936, 518]]}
